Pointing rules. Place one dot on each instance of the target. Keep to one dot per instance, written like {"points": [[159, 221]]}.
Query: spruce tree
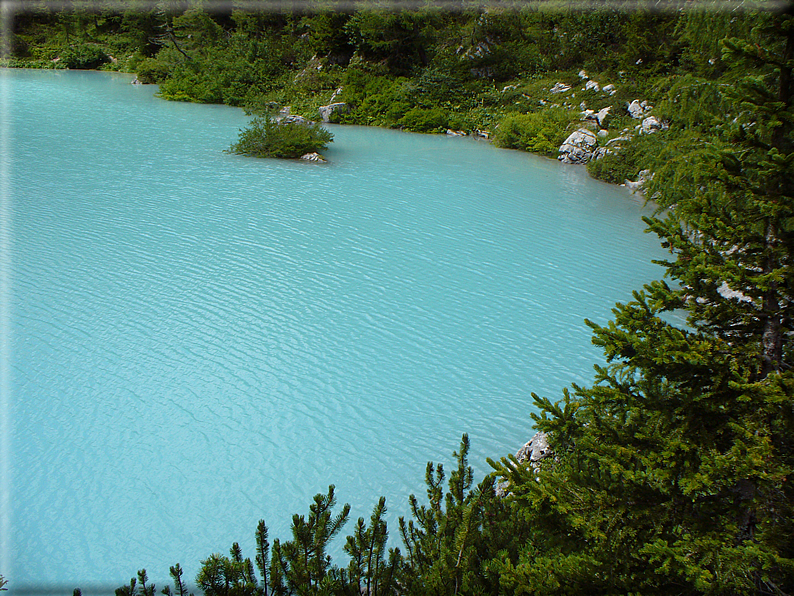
{"points": [[301, 565], [672, 472]]}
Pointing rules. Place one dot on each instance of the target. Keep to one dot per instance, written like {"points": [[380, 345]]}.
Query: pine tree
{"points": [[369, 572], [672, 472], [301, 565], [451, 542]]}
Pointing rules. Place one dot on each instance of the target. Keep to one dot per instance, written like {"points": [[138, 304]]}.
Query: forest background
{"points": [[671, 474]]}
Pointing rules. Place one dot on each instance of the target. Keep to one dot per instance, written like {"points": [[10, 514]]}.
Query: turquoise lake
{"points": [[193, 341]]}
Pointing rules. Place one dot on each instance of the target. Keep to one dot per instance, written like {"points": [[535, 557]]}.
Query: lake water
{"points": [[193, 341]]}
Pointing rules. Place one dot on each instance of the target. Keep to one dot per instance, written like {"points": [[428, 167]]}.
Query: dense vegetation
{"points": [[425, 70], [268, 137], [672, 473]]}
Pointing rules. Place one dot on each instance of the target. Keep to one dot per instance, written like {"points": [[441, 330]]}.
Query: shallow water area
{"points": [[200, 340]]}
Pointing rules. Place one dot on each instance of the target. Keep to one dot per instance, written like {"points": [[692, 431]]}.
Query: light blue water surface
{"points": [[201, 340]]}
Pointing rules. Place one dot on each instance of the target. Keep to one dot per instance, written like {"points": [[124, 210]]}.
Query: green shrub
{"points": [[640, 153], [424, 120], [84, 56], [152, 71], [538, 132], [266, 137]]}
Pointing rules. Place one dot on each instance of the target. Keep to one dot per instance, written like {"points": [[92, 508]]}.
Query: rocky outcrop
{"points": [[578, 147], [530, 454], [326, 111], [535, 450], [295, 119]]}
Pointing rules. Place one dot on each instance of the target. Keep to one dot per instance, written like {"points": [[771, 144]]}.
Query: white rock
{"points": [[642, 178], [531, 453], [294, 119], [726, 292], [456, 133], [583, 74], [602, 133], [602, 115], [592, 85], [560, 88], [617, 140], [335, 95], [326, 111], [313, 157], [635, 109], [609, 89], [650, 125], [535, 450], [577, 148]]}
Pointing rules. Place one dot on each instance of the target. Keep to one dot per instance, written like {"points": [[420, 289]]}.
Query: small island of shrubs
{"points": [[267, 136]]}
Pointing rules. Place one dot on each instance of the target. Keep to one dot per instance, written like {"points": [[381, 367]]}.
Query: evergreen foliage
{"points": [[672, 472], [267, 137]]}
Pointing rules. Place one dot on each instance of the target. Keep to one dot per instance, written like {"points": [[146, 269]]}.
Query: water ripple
{"points": [[203, 340]]}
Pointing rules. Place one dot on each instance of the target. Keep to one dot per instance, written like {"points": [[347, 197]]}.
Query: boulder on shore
{"points": [[638, 186], [578, 147], [536, 449], [326, 111]]}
